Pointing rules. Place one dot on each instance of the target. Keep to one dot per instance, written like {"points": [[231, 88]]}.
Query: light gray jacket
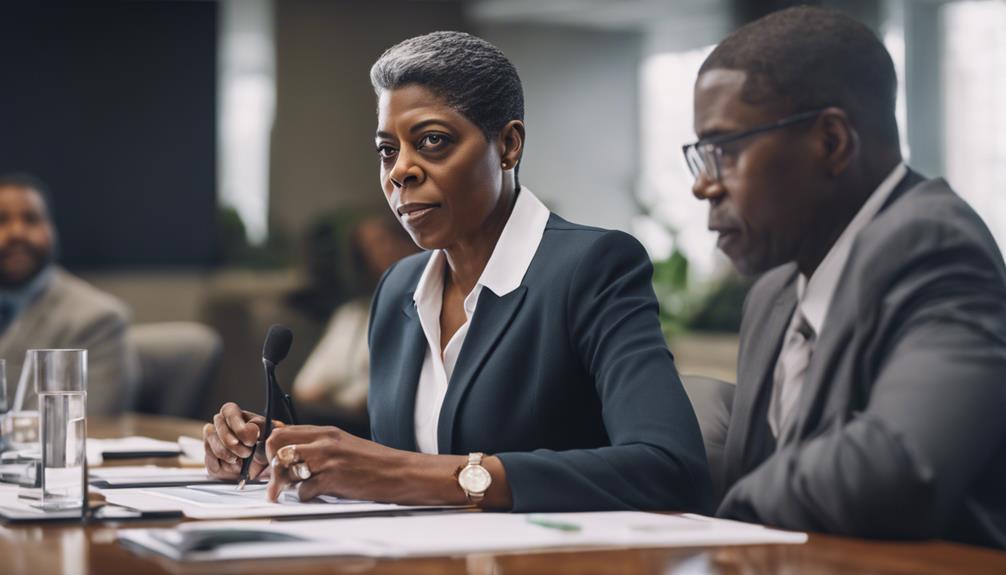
{"points": [[71, 313]]}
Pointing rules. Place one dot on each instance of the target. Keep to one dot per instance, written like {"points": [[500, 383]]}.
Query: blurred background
{"points": [[209, 160]]}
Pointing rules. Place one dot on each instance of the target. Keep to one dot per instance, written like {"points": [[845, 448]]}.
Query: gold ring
{"points": [[287, 455], [301, 471]]}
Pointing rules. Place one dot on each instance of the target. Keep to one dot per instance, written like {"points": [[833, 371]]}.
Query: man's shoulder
{"points": [[78, 300], [924, 203], [926, 221]]}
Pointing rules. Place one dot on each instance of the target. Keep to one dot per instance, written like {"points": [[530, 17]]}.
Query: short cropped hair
{"points": [[805, 57], [470, 74], [30, 182]]}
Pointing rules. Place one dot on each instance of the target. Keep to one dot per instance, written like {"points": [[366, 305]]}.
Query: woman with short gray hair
{"points": [[516, 364]]}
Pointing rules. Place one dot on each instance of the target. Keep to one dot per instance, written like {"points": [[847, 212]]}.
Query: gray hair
{"points": [[470, 74]]}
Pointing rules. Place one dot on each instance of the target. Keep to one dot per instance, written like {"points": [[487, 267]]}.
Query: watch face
{"points": [[474, 479]]}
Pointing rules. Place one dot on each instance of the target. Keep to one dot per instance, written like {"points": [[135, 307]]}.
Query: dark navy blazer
{"points": [[567, 379]]}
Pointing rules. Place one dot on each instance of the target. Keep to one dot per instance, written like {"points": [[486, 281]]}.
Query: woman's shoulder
{"points": [[569, 243]]}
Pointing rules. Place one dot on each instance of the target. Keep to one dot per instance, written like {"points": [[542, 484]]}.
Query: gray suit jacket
{"points": [[71, 313], [901, 427]]}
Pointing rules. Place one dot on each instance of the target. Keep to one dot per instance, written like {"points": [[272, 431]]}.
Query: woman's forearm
{"points": [[433, 480]]}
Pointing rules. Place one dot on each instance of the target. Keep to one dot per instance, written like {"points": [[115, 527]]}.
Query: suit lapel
{"points": [[29, 330], [492, 317], [746, 447], [910, 180], [414, 349], [34, 316]]}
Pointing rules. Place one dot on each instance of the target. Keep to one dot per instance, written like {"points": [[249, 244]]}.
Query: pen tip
{"points": [[241, 485]]}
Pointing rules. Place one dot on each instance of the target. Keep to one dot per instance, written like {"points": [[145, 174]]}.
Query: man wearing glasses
{"points": [[871, 384]]}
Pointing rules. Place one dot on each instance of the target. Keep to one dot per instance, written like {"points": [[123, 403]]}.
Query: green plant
{"points": [[234, 249], [693, 306], [670, 284]]}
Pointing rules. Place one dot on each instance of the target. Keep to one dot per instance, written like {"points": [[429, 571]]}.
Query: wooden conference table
{"points": [[73, 549]]}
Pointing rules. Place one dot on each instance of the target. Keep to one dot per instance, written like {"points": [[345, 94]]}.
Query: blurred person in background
{"points": [[44, 306], [336, 374]]}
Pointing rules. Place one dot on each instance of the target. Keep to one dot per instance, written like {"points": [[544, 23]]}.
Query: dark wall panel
{"points": [[114, 106]]}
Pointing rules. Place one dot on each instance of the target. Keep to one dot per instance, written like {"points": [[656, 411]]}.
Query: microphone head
{"points": [[277, 343]]}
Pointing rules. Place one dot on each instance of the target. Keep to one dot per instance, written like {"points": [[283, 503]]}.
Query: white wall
{"points": [[581, 101]]}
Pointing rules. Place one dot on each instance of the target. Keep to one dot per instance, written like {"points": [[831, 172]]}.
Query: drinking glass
{"points": [[61, 384], [4, 404]]}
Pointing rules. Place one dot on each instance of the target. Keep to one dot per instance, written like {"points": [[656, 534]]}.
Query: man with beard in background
{"points": [[44, 306]]}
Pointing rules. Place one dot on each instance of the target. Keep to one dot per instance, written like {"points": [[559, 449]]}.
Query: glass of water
{"points": [[61, 383], [4, 404]]}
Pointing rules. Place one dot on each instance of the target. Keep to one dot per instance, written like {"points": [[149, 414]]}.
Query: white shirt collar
{"points": [[815, 294], [510, 258]]}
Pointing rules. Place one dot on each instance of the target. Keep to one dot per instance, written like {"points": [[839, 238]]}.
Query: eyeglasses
{"points": [[705, 157]]}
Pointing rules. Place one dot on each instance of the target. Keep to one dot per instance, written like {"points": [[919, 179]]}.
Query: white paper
{"points": [[192, 449], [226, 502], [8, 493], [147, 471], [461, 533], [22, 509], [136, 475]]}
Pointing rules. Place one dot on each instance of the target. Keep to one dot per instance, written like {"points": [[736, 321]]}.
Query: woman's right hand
{"points": [[231, 438]]}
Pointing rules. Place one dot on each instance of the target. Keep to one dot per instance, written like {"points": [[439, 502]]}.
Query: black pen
{"points": [[245, 466]]}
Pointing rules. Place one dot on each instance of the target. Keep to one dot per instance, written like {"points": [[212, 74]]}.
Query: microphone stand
{"points": [[272, 388]]}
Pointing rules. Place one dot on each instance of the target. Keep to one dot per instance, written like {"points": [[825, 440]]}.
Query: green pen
{"points": [[548, 523]]}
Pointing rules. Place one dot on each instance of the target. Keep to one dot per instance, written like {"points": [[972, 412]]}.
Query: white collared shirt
{"points": [[814, 295], [503, 273]]}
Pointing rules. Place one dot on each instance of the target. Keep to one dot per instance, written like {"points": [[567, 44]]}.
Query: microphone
{"points": [[277, 344]]}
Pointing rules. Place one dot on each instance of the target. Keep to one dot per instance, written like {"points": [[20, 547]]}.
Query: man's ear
{"points": [[511, 143], [840, 141]]}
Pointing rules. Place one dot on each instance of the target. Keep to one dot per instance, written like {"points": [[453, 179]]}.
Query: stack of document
{"points": [[445, 535], [225, 501], [148, 476], [129, 447]]}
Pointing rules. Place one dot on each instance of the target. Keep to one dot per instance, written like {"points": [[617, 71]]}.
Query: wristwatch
{"points": [[474, 479]]}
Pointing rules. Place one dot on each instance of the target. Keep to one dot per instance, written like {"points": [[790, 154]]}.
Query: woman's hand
{"points": [[339, 464], [329, 461], [230, 438]]}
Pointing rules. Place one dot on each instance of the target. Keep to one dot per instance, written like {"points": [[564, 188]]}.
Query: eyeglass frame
{"points": [[713, 146]]}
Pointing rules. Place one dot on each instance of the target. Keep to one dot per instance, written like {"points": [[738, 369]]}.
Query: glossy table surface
{"points": [[74, 549]]}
